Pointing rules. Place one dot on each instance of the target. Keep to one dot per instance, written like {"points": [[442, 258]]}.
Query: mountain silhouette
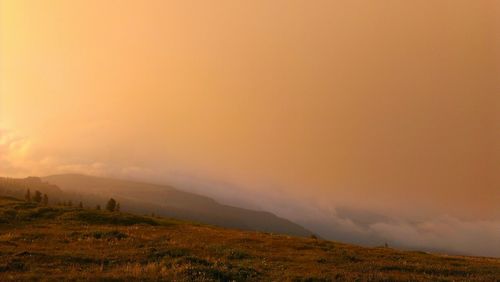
{"points": [[168, 201]]}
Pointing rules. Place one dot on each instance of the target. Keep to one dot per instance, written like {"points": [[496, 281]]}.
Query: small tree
{"points": [[80, 205], [45, 200], [111, 205], [38, 196], [117, 207], [98, 207], [27, 196], [70, 203]]}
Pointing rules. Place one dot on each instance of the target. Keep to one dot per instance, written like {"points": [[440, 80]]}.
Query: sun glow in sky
{"points": [[388, 105]]}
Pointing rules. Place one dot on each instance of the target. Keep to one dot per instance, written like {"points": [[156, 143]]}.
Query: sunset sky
{"points": [[391, 107]]}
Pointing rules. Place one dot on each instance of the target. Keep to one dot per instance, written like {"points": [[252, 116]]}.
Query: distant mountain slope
{"points": [[167, 201], [17, 188]]}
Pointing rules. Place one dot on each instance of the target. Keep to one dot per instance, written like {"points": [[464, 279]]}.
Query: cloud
{"points": [[441, 234], [14, 153], [444, 233], [19, 157]]}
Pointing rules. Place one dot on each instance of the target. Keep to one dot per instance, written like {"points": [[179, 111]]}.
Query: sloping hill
{"points": [[59, 243], [162, 200], [17, 188]]}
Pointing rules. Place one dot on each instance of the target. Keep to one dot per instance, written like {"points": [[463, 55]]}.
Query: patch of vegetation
{"points": [[193, 260], [177, 252], [198, 273], [15, 265], [72, 259], [38, 213], [156, 255], [303, 247], [235, 254], [229, 253], [103, 217], [311, 279], [30, 237], [24, 205], [8, 215], [115, 234]]}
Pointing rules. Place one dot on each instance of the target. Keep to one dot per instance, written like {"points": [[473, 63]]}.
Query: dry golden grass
{"points": [[60, 243]]}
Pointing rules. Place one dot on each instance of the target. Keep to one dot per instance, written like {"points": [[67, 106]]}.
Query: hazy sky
{"points": [[391, 106]]}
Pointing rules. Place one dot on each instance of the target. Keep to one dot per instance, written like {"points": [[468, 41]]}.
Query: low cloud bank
{"points": [[440, 234], [444, 233]]}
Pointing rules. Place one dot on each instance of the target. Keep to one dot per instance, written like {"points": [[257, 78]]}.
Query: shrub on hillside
{"points": [[111, 205], [27, 196], [114, 234], [38, 197], [39, 213]]}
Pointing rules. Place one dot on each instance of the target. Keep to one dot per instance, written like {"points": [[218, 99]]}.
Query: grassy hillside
{"points": [[144, 198], [65, 243]]}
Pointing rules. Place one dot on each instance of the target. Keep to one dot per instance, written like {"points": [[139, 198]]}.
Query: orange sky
{"points": [[384, 104]]}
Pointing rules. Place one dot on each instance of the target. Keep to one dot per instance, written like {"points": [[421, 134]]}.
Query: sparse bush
{"points": [[111, 205], [38, 197], [14, 265], [221, 273], [238, 254], [193, 260], [9, 214], [230, 253], [115, 234], [27, 197], [207, 273], [29, 237], [155, 254], [45, 200], [177, 252], [311, 279], [39, 213]]}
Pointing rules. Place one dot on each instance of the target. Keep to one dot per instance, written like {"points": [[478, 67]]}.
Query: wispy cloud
{"points": [[20, 157], [14, 153]]}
